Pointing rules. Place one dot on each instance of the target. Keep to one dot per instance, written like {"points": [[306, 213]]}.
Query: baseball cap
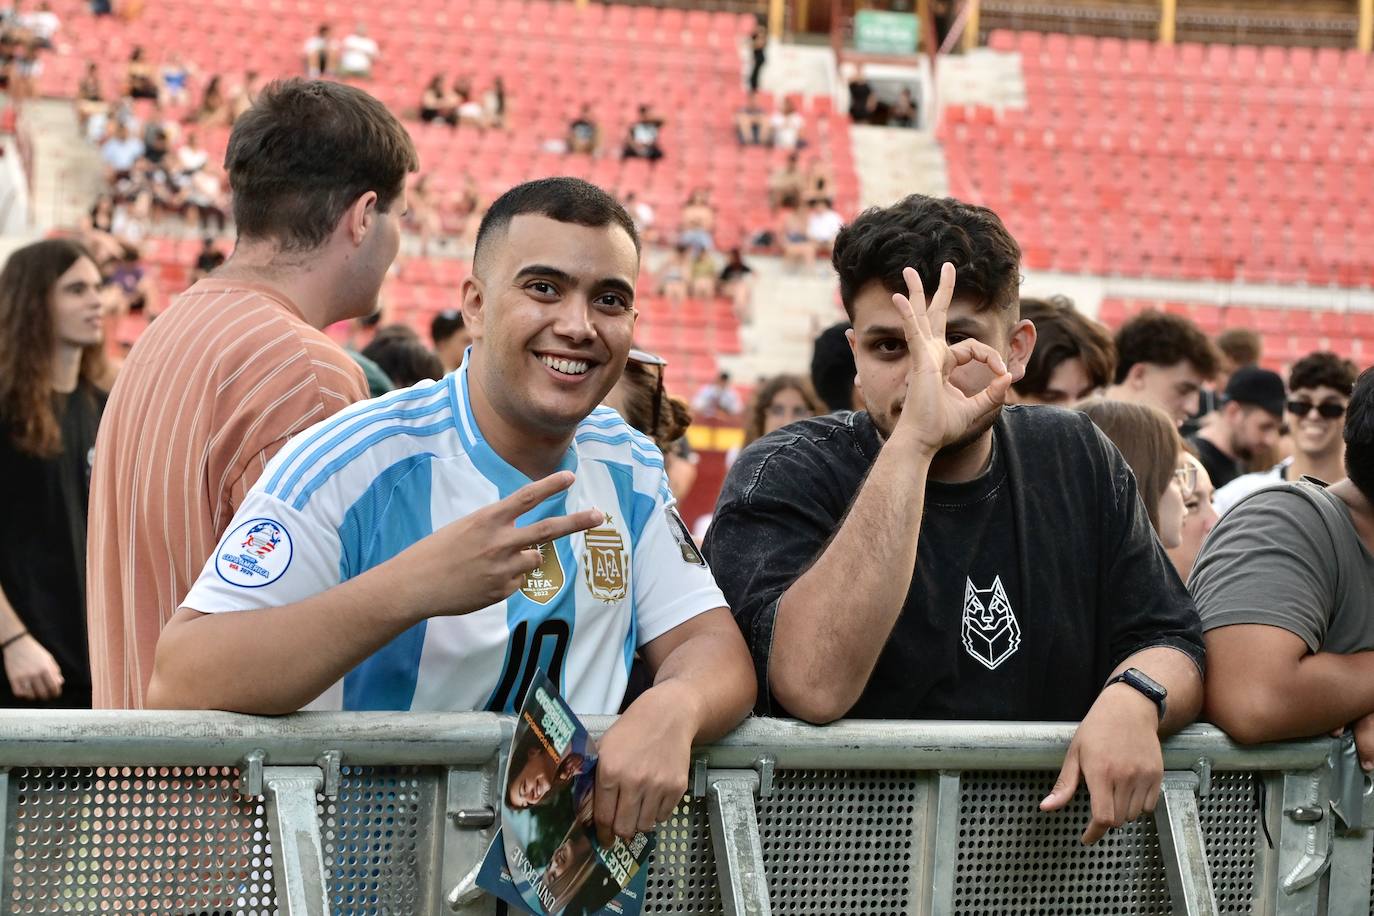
{"points": [[1259, 387]]}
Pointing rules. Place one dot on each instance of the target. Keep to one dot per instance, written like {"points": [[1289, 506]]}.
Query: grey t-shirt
{"points": [[1289, 556]]}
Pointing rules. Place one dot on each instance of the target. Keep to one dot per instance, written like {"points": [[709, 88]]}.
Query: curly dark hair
{"points": [[1063, 333], [925, 232], [1323, 369], [1163, 340], [1359, 435]]}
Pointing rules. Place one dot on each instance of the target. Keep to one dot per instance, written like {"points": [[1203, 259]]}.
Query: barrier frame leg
{"points": [[738, 847], [294, 828], [1181, 843]]}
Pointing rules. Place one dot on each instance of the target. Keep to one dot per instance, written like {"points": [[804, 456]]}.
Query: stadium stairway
{"points": [[893, 162], [66, 170], [790, 310]]}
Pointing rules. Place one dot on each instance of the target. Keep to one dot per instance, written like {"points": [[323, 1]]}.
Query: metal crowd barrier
{"points": [[194, 814]]}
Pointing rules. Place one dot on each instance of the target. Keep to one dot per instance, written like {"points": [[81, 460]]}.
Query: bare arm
{"points": [[1292, 693], [29, 667]]}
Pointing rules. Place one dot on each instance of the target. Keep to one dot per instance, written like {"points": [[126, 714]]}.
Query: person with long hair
{"points": [[50, 406], [1152, 447], [641, 399], [780, 400]]}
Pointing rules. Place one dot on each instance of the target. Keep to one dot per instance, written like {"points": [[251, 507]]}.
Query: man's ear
{"points": [[361, 216], [473, 295], [856, 397], [1135, 376], [1021, 347]]}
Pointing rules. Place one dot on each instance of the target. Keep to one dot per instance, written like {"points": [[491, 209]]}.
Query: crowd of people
{"points": [[248, 519]]}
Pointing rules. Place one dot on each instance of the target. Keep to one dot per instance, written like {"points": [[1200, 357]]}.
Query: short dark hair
{"points": [[1063, 333], [403, 357], [1242, 346], [305, 152], [1323, 369], [925, 232], [832, 368], [1163, 340], [445, 325], [1359, 435], [568, 200]]}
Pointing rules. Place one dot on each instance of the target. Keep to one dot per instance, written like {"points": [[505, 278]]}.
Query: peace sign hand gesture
{"points": [[936, 413]]}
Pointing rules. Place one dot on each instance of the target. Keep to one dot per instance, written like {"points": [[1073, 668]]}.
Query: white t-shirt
{"points": [[357, 54], [824, 226], [42, 23], [1225, 498], [787, 129], [355, 490]]}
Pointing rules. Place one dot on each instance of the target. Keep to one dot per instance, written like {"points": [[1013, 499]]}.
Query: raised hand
{"points": [[482, 558], [935, 413]]}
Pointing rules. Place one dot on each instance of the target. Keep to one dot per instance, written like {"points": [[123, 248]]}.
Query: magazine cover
{"points": [[546, 858]]}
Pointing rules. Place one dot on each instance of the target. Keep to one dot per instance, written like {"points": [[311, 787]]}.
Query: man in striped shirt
{"points": [[434, 548], [239, 364]]}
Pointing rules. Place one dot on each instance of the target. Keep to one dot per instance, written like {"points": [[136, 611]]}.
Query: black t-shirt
{"points": [[1221, 469], [1032, 582], [43, 529]]}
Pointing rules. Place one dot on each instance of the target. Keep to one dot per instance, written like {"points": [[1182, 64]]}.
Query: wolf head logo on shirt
{"points": [[991, 633]]}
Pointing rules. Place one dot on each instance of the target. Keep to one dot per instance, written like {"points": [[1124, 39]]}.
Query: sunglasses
{"points": [[1329, 410], [1186, 475], [659, 364]]}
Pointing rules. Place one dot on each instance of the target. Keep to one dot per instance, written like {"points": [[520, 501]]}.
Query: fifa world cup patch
{"points": [[543, 584], [685, 542], [606, 565], [256, 553]]}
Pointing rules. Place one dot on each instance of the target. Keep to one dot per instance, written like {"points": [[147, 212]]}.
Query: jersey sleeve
{"points": [[672, 583], [271, 555]]}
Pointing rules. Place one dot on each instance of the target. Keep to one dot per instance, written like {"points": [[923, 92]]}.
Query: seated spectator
{"points": [[698, 222], [139, 82], [936, 478], [494, 103], [437, 103], [819, 182], [90, 98], [703, 280], [904, 112], [157, 141], [798, 249], [644, 136], [833, 371], [786, 126], [717, 400], [469, 107], [584, 136], [397, 349], [191, 157], [136, 285], [451, 338], [1074, 356], [778, 402], [1283, 586], [786, 184], [206, 201], [862, 100], [674, 276], [120, 154], [1198, 521], [642, 586], [244, 95], [1162, 361], [174, 76], [751, 122], [1153, 449], [42, 24], [101, 216], [214, 110], [357, 54], [318, 52], [823, 224], [641, 212], [208, 260], [735, 283], [1250, 418], [1320, 385]]}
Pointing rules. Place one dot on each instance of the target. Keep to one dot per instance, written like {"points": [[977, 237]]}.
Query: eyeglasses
{"points": [[1186, 475], [796, 411], [647, 359], [1328, 410]]}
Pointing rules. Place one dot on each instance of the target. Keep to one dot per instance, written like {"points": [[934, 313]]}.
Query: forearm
{"points": [[271, 661], [1298, 699], [1176, 672], [10, 624], [710, 679], [833, 622]]}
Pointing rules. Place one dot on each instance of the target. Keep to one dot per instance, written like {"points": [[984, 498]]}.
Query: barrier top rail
{"points": [[96, 738]]}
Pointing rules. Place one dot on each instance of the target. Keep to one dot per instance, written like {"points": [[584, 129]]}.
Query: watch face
{"points": [[1144, 683]]}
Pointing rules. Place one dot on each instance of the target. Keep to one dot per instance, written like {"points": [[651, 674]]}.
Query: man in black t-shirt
{"points": [[937, 556], [1249, 422]]}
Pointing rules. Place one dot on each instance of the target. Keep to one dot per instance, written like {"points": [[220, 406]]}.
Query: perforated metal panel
{"points": [[135, 840], [833, 842], [1231, 829]]}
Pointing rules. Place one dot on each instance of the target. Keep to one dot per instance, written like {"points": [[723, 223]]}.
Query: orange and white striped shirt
{"points": [[207, 396]]}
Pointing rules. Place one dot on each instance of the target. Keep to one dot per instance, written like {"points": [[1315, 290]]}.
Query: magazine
{"points": [[545, 858]]}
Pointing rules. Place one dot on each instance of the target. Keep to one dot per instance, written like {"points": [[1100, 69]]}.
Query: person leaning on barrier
{"points": [[1287, 576], [433, 548], [1038, 579]]}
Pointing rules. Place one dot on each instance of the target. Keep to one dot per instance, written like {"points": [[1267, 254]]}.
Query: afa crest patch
{"points": [[607, 563], [256, 553], [685, 542]]}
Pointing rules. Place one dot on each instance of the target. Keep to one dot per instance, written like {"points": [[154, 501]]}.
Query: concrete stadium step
{"points": [[789, 310], [67, 174], [982, 77], [893, 162]]}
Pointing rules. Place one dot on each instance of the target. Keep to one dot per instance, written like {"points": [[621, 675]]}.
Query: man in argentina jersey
{"points": [[433, 548]]}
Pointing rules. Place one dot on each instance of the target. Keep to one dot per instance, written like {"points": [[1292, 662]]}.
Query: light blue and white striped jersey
{"points": [[357, 489]]}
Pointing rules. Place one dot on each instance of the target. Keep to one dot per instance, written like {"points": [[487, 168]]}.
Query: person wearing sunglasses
{"points": [[1150, 443], [1285, 587], [1320, 386]]}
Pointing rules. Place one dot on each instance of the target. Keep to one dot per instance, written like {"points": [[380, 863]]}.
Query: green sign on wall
{"points": [[881, 32]]}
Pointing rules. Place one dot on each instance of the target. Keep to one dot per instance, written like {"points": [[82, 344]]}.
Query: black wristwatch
{"points": [[1154, 691]]}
